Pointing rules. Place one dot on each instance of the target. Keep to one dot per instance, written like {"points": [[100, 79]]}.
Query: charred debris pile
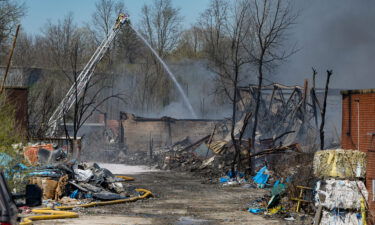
{"points": [[279, 157], [46, 174], [288, 130]]}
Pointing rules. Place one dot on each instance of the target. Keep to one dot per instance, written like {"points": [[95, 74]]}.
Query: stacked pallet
{"points": [[340, 190]]}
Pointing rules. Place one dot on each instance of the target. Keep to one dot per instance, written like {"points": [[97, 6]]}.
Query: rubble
{"points": [[80, 181]]}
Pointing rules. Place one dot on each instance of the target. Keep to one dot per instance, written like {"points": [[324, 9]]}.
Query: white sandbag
{"points": [[342, 194]]}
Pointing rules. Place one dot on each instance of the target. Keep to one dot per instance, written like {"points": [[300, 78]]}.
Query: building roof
{"points": [[358, 91], [166, 118]]}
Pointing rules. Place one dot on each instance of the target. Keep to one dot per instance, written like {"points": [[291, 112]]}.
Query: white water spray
{"points": [[166, 68]]}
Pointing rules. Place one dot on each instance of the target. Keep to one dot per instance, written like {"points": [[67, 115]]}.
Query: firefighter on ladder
{"points": [[121, 19]]}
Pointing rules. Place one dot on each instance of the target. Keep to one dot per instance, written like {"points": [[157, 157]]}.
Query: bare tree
{"points": [[129, 48], [191, 43], [67, 49], [106, 12], [271, 21], [161, 26], [25, 54], [10, 13], [323, 111], [42, 102], [225, 27]]}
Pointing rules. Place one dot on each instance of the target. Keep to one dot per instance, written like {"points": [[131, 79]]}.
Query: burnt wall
{"points": [[165, 131]]}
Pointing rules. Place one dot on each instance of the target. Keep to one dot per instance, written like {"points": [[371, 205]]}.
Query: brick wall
{"points": [[165, 131], [358, 129]]}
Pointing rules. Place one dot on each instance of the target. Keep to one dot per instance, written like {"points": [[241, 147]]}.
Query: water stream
{"points": [[170, 74]]}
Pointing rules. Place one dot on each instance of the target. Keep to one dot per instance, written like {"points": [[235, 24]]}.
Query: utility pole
{"points": [[10, 59]]}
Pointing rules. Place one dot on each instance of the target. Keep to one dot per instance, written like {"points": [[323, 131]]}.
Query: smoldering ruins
{"points": [[253, 110]]}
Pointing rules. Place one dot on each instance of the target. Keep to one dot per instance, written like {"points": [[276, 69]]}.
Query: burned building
{"points": [[139, 132], [292, 110]]}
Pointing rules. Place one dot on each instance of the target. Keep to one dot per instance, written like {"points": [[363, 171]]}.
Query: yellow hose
{"points": [[126, 178], [55, 214]]}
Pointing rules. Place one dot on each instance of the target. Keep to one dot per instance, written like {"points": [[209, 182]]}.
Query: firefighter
{"points": [[122, 18]]}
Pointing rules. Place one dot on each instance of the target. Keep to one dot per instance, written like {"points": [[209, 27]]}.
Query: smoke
{"points": [[195, 78], [335, 34]]}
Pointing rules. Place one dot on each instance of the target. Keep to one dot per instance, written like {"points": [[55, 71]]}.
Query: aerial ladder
{"points": [[85, 76]]}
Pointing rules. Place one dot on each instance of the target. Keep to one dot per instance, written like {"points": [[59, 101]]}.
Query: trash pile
{"points": [[68, 182], [199, 156], [41, 153], [233, 178], [340, 193], [274, 201], [63, 182], [279, 202]]}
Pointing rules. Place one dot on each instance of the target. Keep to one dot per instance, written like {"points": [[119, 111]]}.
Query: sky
{"points": [[335, 34], [41, 11]]}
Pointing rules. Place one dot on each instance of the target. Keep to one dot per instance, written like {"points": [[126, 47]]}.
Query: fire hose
{"points": [[59, 214]]}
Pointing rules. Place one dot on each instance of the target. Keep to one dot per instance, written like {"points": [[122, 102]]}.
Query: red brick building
{"points": [[358, 130]]}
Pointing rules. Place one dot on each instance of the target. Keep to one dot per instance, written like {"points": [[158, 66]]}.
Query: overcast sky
{"points": [[334, 34]]}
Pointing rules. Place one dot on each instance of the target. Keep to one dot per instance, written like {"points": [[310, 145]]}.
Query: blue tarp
{"points": [[45, 174], [9, 171], [224, 179], [255, 211], [74, 194], [261, 177], [5, 159], [233, 176]]}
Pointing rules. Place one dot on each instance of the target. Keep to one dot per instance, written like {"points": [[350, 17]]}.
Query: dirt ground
{"points": [[181, 199]]}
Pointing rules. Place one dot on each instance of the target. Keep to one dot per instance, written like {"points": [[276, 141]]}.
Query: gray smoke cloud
{"points": [[335, 34]]}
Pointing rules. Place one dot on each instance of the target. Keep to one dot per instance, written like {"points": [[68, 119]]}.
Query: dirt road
{"points": [[181, 199]]}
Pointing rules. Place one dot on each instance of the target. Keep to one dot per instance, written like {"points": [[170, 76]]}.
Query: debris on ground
{"points": [[79, 181], [50, 179], [233, 178]]}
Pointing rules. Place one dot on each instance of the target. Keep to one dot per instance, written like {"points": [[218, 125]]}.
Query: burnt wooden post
{"points": [[323, 112]]}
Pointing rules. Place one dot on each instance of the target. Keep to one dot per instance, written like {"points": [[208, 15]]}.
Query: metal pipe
{"points": [[358, 143]]}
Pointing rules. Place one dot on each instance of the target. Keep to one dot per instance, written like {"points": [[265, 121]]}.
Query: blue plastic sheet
{"points": [[45, 174], [233, 176], [261, 177], [74, 194], [223, 179], [5, 159], [5, 162], [255, 211]]}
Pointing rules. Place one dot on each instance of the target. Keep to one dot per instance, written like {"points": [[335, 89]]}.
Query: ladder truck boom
{"points": [[85, 75]]}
